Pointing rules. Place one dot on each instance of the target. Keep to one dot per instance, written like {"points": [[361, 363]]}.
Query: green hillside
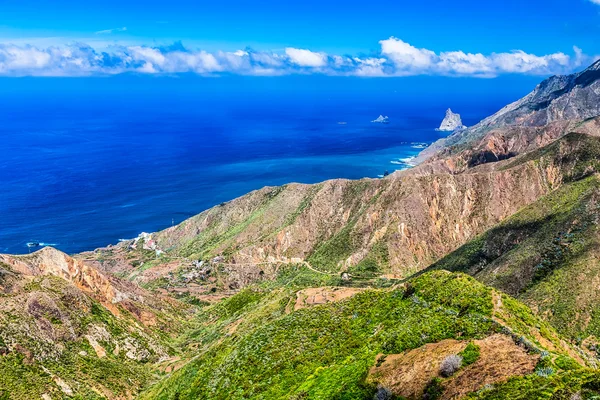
{"points": [[256, 346]]}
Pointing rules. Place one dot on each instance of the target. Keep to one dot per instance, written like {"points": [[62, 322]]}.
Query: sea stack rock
{"points": [[452, 122], [382, 120]]}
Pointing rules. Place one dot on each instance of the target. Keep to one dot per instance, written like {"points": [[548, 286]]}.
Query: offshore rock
{"points": [[451, 122]]}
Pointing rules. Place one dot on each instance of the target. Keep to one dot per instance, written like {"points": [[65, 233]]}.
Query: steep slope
{"points": [[395, 226], [547, 255], [254, 345], [67, 329], [559, 98], [514, 200]]}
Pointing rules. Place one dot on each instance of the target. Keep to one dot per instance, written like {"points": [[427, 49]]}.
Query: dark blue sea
{"points": [[84, 167]]}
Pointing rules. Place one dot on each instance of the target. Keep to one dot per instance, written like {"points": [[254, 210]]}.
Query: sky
{"points": [[463, 38]]}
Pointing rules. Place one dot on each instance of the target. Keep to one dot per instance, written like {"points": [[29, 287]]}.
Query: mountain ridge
{"points": [[485, 254], [573, 97]]}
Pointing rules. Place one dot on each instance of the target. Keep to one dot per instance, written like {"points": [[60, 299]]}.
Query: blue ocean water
{"points": [[82, 170]]}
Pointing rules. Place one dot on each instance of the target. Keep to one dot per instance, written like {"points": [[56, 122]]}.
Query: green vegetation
{"points": [[546, 255], [306, 202], [434, 389], [254, 346], [331, 252], [45, 345], [470, 354], [564, 385], [373, 265], [577, 154], [328, 256], [538, 253], [203, 245], [533, 230]]}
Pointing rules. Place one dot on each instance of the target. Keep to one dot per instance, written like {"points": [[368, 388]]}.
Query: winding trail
{"points": [[305, 263]]}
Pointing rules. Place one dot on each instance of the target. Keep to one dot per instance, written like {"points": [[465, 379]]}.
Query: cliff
{"points": [[335, 290], [451, 122], [67, 329], [559, 98]]}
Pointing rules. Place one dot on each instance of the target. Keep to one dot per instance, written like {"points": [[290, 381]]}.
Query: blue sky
{"points": [[376, 38]]}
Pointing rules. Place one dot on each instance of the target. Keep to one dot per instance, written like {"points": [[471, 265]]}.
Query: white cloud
{"points": [[306, 58], [405, 56], [461, 63], [396, 58], [595, 1], [108, 31], [409, 60]]}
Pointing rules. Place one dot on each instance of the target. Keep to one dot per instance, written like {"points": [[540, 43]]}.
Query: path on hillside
{"points": [[305, 263]]}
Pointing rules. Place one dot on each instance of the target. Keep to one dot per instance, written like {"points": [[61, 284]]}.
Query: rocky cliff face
{"points": [[503, 143], [546, 255], [67, 329], [559, 98], [397, 225], [114, 294], [451, 122]]}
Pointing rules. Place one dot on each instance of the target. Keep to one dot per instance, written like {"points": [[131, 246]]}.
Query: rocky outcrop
{"points": [[451, 122], [59, 316], [408, 374], [114, 294], [411, 218], [50, 261], [503, 143], [382, 120], [559, 98]]}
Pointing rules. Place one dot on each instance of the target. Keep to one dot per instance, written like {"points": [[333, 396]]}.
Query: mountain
{"points": [[398, 225], [546, 111], [273, 344], [67, 329], [546, 254], [471, 275]]}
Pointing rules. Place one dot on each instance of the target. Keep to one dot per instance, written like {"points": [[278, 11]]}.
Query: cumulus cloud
{"points": [[410, 60], [306, 58], [395, 58], [406, 57]]}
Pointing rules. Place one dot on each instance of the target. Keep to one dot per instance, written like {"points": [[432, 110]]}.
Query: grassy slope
{"points": [[45, 343], [546, 255], [325, 352], [251, 346]]}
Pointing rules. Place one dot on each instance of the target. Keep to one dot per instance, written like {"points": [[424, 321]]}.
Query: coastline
{"points": [[141, 213]]}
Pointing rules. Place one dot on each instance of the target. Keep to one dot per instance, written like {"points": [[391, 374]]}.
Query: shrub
{"points": [[383, 393], [434, 389], [470, 354], [380, 360], [450, 365], [545, 372], [566, 363]]}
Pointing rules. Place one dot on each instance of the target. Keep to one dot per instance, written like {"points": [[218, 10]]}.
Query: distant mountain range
{"points": [[472, 275]]}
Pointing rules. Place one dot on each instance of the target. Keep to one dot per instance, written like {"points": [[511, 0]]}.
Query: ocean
{"points": [[82, 169]]}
